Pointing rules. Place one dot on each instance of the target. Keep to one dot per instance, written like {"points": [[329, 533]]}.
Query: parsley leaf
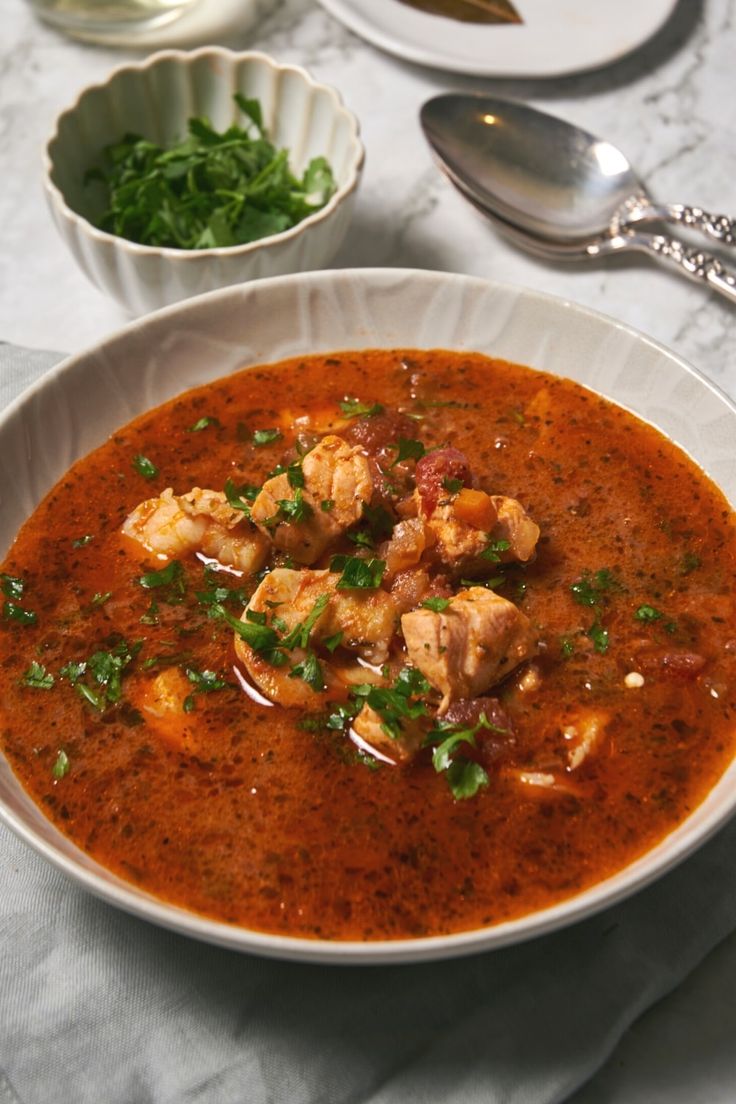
{"points": [[240, 498], [599, 636], [12, 586], [61, 766], [494, 550], [144, 467], [37, 677], [203, 423], [13, 612], [263, 639], [209, 189], [81, 541], [408, 450], [354, 408], [171, 576], [299, 635], [263, 437], [205, 681], [464, 775], [589, 590], [357, 573], [648, 614], [310, 670], [454, 486], [396, 704], [294, 509], [437, 605]]}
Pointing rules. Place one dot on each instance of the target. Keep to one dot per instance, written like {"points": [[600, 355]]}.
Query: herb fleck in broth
{"points": [[123, 708]]}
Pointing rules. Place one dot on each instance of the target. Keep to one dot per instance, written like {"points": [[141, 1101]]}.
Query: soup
{"points": [[372, 646]]}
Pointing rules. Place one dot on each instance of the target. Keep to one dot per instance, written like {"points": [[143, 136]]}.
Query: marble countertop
{"points": [[669, 106]]}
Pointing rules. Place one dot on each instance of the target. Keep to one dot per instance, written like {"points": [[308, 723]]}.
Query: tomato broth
{"points": [[606, 736]]}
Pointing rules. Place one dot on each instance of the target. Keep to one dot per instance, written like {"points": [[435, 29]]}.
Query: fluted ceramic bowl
{"points": [[73, 408], [156, 98]]}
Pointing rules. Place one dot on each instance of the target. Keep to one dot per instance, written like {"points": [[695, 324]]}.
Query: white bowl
{"points": [[156, 98], [74, 407]]}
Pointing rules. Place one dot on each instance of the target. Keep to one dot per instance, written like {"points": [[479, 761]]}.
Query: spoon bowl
{"points": [[560, 192], [546, 176]]}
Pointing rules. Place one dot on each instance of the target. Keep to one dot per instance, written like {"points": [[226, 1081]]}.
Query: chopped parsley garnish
{"points": [[13, 612], [590, 589], [73, 671], [408, 450], [171, 576], [209, 189], [494, 550], [61, 766], [299, 635], [203, 423], [396, 704], [12, 586], [37, 677], [333, 642], [295, 474], [205, 681], [362, 538], [81, 541], [99, 598], [648, 614], [599, 636], [217, 593], [357, 573], [437, 605], [567, 646], [464, 775], [263, 437], [150, 617], [240, 498], [327, 505], [354, 408], [263, 639], [310, 670], [144, 467], [104, 674], [454, 486], [294, 509]]}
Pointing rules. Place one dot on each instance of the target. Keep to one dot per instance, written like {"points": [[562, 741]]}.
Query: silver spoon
{"points": [[559, 191]]}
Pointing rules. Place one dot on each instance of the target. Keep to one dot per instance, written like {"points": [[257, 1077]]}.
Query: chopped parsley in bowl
{"points": [[197, 170]]}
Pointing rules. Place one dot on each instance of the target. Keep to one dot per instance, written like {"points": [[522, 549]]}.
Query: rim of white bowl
{"points": [[684, 840], [185, 57]]}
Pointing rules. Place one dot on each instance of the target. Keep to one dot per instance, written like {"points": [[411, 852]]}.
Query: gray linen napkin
{"points": [[97, 1007]]}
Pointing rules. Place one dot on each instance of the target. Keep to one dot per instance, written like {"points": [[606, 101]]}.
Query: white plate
{"points": [[77, 405], [557, 36]]}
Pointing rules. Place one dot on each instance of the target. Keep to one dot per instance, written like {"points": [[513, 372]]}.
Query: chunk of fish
{"points": [[366, 619], [369, 735], [201, 521], [337, 486], [468, 548], [469, 646]]}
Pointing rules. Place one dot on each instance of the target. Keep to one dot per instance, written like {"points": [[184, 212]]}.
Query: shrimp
{"points": [[161, 701], [200, 521], [337, 485]]}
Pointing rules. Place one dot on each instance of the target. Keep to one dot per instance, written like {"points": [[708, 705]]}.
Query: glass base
{"points": [[87, 18]]}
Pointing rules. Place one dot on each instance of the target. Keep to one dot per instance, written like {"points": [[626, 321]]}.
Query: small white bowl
{"points": [[155, 99]]}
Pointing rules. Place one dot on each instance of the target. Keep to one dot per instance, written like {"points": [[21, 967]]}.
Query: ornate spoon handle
{"points": [[690, 262], [718, 227]]}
